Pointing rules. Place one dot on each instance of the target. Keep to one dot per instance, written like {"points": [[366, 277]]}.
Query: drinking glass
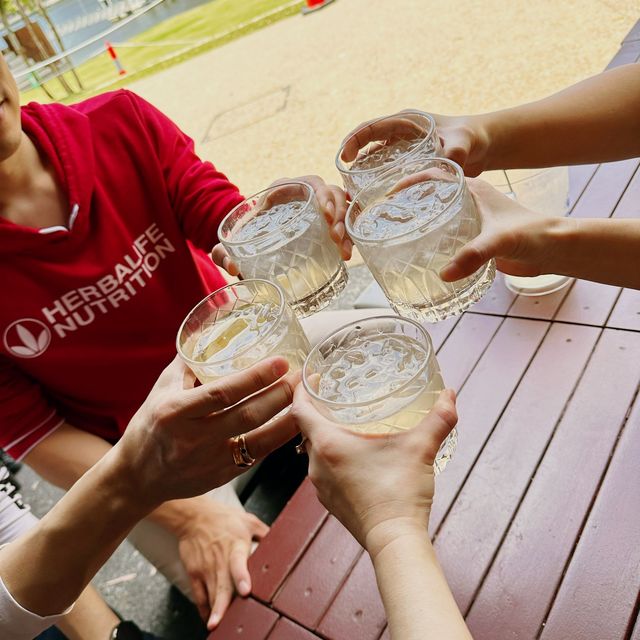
{"points": [[280, 235], [237, 326], [544, 190], [407, 225], [377, 376], [383, 143]]}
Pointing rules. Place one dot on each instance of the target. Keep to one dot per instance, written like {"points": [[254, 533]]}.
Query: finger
{"points": [[218, 254], [259, 408], [200, 599], [221, 595], [238, 567], [269, 437], [307, 418], [340, 202], [338, 232], [471, 257], [258, 528], [231, 267], [222, 394], [347, 249], [438, 423]]}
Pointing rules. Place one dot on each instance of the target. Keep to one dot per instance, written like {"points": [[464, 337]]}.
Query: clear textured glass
{"points": [[407, 225], [280, 235], [544, 190], [377, 376], [237, 326], [383, 143]]}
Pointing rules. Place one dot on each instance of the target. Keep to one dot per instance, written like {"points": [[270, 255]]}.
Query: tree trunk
{"points": [[38, 43], [45, 14], [15, 43]]}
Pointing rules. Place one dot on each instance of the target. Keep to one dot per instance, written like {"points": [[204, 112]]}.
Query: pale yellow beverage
{"points": [[237, 327], [280, 235], [377, 376], [407, 235]]}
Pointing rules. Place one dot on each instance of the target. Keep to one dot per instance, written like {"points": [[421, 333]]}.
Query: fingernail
{"points": [[450, 272], [330, 209], [213, 620], [243, 588], [339, 229]]}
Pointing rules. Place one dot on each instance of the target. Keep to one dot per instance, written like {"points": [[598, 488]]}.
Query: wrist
{"points": [[119, 484], [390, 533], [560, 239]]}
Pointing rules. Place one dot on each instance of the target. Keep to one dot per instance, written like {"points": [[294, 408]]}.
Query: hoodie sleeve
{"points": [[200, 195], [26, 418]]}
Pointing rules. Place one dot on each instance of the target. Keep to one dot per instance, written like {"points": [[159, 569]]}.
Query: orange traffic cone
{"points": [[314, 5]]}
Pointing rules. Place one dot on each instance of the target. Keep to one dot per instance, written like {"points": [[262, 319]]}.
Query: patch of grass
{"points": [[204, 27]]}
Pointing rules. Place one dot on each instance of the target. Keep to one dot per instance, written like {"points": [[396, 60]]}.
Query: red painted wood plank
{"points": [[357, 611], [626, 313], [287, 630], [598, 593], [465, 345], [497, 300], [540, 307], [483, 510], [482, 400], [290, 535], [439, 331], [605, 189], [521, 583], [247, 619], [311, 587], [588, 303]]}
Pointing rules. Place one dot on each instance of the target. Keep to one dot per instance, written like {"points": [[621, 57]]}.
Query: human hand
{"points": [[465, 140], [214, 547], [521, 240], [332, 201], [377, 486], [179, 443]]}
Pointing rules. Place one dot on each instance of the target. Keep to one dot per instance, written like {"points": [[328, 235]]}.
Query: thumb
{"points": [[439, 422], [304, 413], [456, 148], [471, 257]]}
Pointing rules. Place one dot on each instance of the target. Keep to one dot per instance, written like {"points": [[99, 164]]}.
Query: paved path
{"points": [[279, 101]]}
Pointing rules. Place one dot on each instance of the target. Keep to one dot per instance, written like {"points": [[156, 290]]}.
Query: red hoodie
{"points": [[90, 313]]}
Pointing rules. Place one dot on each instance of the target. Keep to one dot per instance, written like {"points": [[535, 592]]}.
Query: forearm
{"points": [[595, 120], [602, 250], [48, 568], [415, 593]]}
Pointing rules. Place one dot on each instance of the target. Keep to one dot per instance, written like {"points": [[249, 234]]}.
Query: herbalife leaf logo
{"points": [[27, 338]]}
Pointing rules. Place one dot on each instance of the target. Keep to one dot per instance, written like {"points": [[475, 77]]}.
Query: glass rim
{"points": [[461, 186], [281, 308], [338, 161], [299, 183], [316, 348]]}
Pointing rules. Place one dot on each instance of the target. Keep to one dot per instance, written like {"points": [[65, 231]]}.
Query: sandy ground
{"points": [[279, 101]]}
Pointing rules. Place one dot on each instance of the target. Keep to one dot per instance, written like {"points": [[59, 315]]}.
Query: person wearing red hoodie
{"points": [[106, 218]]}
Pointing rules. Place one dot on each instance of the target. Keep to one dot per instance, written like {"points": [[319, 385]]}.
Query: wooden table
{"points": [[536, 520]]}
